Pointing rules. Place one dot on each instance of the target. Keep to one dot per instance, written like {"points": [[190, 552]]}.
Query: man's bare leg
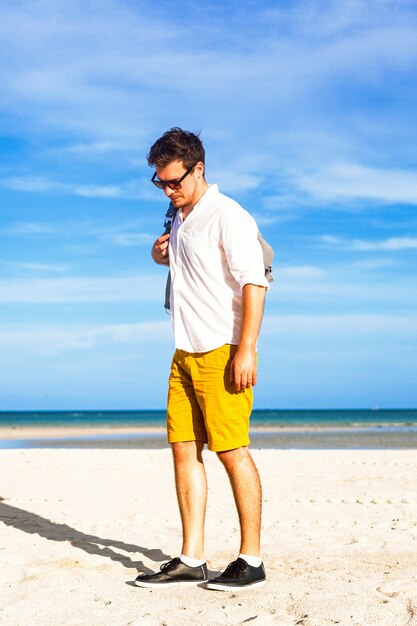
{"points": [[247, 491], [191, 486]]}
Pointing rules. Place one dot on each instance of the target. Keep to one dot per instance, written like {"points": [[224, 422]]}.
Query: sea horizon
{"points": [[259, 417]]}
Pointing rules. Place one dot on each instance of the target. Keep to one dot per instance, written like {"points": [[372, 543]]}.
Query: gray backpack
{"points": [[267, 252]]}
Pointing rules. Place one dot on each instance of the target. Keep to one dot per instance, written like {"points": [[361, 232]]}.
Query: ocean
{"points": [[260, 417], [271, 428]]}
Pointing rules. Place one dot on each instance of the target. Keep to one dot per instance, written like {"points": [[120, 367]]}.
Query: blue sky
{"points": [[308, 115]]}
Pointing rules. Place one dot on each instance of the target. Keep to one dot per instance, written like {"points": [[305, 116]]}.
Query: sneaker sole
{"points": [[188, 583], [220, 587]]}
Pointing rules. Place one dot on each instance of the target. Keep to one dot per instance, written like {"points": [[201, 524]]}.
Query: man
{"points": [[217, 299]]}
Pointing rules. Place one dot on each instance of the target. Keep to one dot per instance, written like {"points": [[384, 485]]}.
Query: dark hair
{"points": [[177, 145]]}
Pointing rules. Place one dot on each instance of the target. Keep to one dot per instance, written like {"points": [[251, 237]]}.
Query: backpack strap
{"points": [[169, 219], [167, 305]]}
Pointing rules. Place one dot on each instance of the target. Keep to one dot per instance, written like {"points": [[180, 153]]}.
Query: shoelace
{"points": [[235, 569], [165, 567]]}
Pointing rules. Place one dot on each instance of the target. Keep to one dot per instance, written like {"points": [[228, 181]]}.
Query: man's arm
{"points": [[243, 370], [160, 250]]}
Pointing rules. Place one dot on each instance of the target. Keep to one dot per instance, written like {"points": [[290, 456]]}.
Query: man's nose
{"points": [[168, 191]]}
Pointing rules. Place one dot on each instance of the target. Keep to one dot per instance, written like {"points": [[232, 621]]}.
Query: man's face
{"points": [[188, 194]]}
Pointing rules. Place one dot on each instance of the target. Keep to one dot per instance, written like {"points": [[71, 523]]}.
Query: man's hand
{"points": [[160, 250], [243, 369]]}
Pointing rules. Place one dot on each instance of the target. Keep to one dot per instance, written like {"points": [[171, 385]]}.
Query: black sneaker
{"points": [[238, 575], [172, 574]]}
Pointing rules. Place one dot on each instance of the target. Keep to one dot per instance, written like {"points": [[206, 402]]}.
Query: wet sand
{"points": [[280, 437]]}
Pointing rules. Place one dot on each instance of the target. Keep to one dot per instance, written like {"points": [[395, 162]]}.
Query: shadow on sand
{"points": [[35, 524]]}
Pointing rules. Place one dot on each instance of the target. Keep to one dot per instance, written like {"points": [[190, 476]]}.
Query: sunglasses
{"points": [[172, 184]]}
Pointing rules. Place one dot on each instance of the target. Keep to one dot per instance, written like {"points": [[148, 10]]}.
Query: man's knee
{"points": [[184, 451], [230, 457]]}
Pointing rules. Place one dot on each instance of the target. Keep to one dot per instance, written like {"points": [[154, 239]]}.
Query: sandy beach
{"points": [[123, 436], [63, 432], [339, 539]]}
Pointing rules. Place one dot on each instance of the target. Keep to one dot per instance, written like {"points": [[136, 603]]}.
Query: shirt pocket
{"points": [[201, 248]]}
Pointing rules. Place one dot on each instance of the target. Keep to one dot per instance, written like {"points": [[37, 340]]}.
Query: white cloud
{"points": [[94, 148], [330, 240], [340, 182], [81, 290], [268, 219], [96, 191], [232, 182], [374, 264], [29, 229], [118, 334], [130, 190], [52, 340], [287, 204], [121, 234], [130, 239], [29, 183], [301, 272], [38, 267], [339, 286], [359, 325], [391, 244]]}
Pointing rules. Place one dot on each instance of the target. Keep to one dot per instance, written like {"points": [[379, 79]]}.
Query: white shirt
{"points": [[213, 253]]}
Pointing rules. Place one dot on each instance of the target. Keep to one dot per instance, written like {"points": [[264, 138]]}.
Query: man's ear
{"points": [[200, 168]]}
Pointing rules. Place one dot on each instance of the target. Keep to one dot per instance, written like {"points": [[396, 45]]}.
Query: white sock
{"points": [[191, 562], [255, 561]]}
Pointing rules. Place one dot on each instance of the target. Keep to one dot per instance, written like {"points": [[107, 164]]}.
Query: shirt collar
{"points": [[204, 201], [207, 197]]}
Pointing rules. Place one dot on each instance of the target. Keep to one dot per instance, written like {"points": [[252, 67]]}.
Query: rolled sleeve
{"points": [[253, 278], [242, 248]]}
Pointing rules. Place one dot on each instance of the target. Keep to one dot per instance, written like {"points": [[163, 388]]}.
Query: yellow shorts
{"points": [[203, 404]]}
